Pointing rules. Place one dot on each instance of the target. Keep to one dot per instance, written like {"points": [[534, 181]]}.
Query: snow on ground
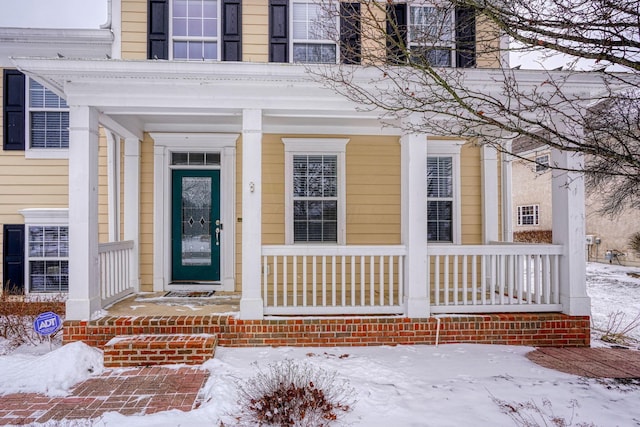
{"points": [[448, 385], [613, 290]]}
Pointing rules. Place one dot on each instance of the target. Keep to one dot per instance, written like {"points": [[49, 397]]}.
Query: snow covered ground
{"points": [[448, 385]]}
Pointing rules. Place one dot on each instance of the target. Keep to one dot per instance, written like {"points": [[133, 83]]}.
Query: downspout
{"points": [[114, 23], [507, 209]]}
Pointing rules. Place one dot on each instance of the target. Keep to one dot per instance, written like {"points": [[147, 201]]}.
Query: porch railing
{"points": [[332, 279], [115, 270], [493, 278]]}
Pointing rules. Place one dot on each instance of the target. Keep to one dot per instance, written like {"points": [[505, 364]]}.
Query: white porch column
{"points": [[84, 277], [251, 304], [414, 223], [132, 204], [489, 194], [569, 230]]}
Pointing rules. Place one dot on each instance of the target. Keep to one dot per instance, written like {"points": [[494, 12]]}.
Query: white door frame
{"points": [[166, 143]]}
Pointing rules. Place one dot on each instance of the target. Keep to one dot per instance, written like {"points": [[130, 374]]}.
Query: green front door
{"points": [[195, 228]]}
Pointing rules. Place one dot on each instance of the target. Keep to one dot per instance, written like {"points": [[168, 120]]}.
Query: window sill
{"points": [[47, 153]]}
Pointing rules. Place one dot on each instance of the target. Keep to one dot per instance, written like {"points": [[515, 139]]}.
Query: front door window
{"points": [[196, 225]]}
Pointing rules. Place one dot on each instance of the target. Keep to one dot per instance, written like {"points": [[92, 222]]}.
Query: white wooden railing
{"points": [[115, 270], [493, 278], [332, 279]]}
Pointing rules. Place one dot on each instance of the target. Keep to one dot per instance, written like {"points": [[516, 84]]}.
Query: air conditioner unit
{"points": [[590, 239]]}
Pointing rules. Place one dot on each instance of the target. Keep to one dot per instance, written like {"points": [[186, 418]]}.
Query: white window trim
{"points": [[217, 39], [164, 144], [449, 148], [451, 46], [39, 153], [536, 215], [310, 41], [307, 146], [40, 217]]}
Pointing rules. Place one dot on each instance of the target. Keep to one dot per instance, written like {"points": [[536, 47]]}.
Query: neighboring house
{"points": [[188, 148], [532, 209]]}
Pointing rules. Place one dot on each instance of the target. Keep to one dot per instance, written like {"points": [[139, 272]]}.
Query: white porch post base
{"points": [[414, 223], [81, 309], [569, 231], [251, 306], [84, 274]]}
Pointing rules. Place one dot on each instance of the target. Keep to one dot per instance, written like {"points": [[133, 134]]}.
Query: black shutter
{"points": [[232, 30], [396, 33], [278, 30], [13, 110], [13, 258], [158, 30], [350, 44], [465, 37]]}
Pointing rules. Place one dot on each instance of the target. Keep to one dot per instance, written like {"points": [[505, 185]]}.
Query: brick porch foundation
{"points": [[530, 329]]}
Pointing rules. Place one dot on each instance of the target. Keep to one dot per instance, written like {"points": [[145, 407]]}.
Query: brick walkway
{"points": [[590, 362], [131, 391]]}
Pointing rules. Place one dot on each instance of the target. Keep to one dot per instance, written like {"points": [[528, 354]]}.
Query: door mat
{"points": [[189, 294]]}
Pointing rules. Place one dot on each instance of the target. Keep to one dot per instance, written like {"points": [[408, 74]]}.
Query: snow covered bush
{"points": [[17, 314], [530, 414], [618, 328], [634, 242], [294, 394]]}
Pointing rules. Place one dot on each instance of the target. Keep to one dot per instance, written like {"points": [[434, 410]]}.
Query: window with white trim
{"points": [[48, 118], [47, 258], [440, 200], [315, 26], [528, 215], [315, 190], [542, 163], [431, 34], [195, 29]]}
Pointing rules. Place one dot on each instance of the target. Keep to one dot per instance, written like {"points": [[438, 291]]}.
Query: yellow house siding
{"points": [[471, 194], [255, 31], [146, 214], [273, 190], [373, 190], [487, 44], [134, 29]]}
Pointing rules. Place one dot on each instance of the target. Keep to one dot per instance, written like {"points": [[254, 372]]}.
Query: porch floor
{"points": [[156, 304]]}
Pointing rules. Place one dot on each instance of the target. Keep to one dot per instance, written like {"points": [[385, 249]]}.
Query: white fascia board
{"points": [[49, 42]]}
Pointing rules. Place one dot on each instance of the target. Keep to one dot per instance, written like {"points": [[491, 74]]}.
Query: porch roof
{"points": [[177, 96]]}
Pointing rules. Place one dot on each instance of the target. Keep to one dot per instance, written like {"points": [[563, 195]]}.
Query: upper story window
{"points": [[542, 163], [314, 29], [48, 118], [195, 29], [431, 35]]}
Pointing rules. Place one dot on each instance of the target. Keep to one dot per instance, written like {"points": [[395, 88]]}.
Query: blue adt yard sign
{"points": [[47, 323]]}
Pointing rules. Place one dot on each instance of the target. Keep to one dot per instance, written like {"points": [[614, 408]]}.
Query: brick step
{"points": [[148, 350]]}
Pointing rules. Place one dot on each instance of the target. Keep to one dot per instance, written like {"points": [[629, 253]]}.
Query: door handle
{"points": [[217, 236]]}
